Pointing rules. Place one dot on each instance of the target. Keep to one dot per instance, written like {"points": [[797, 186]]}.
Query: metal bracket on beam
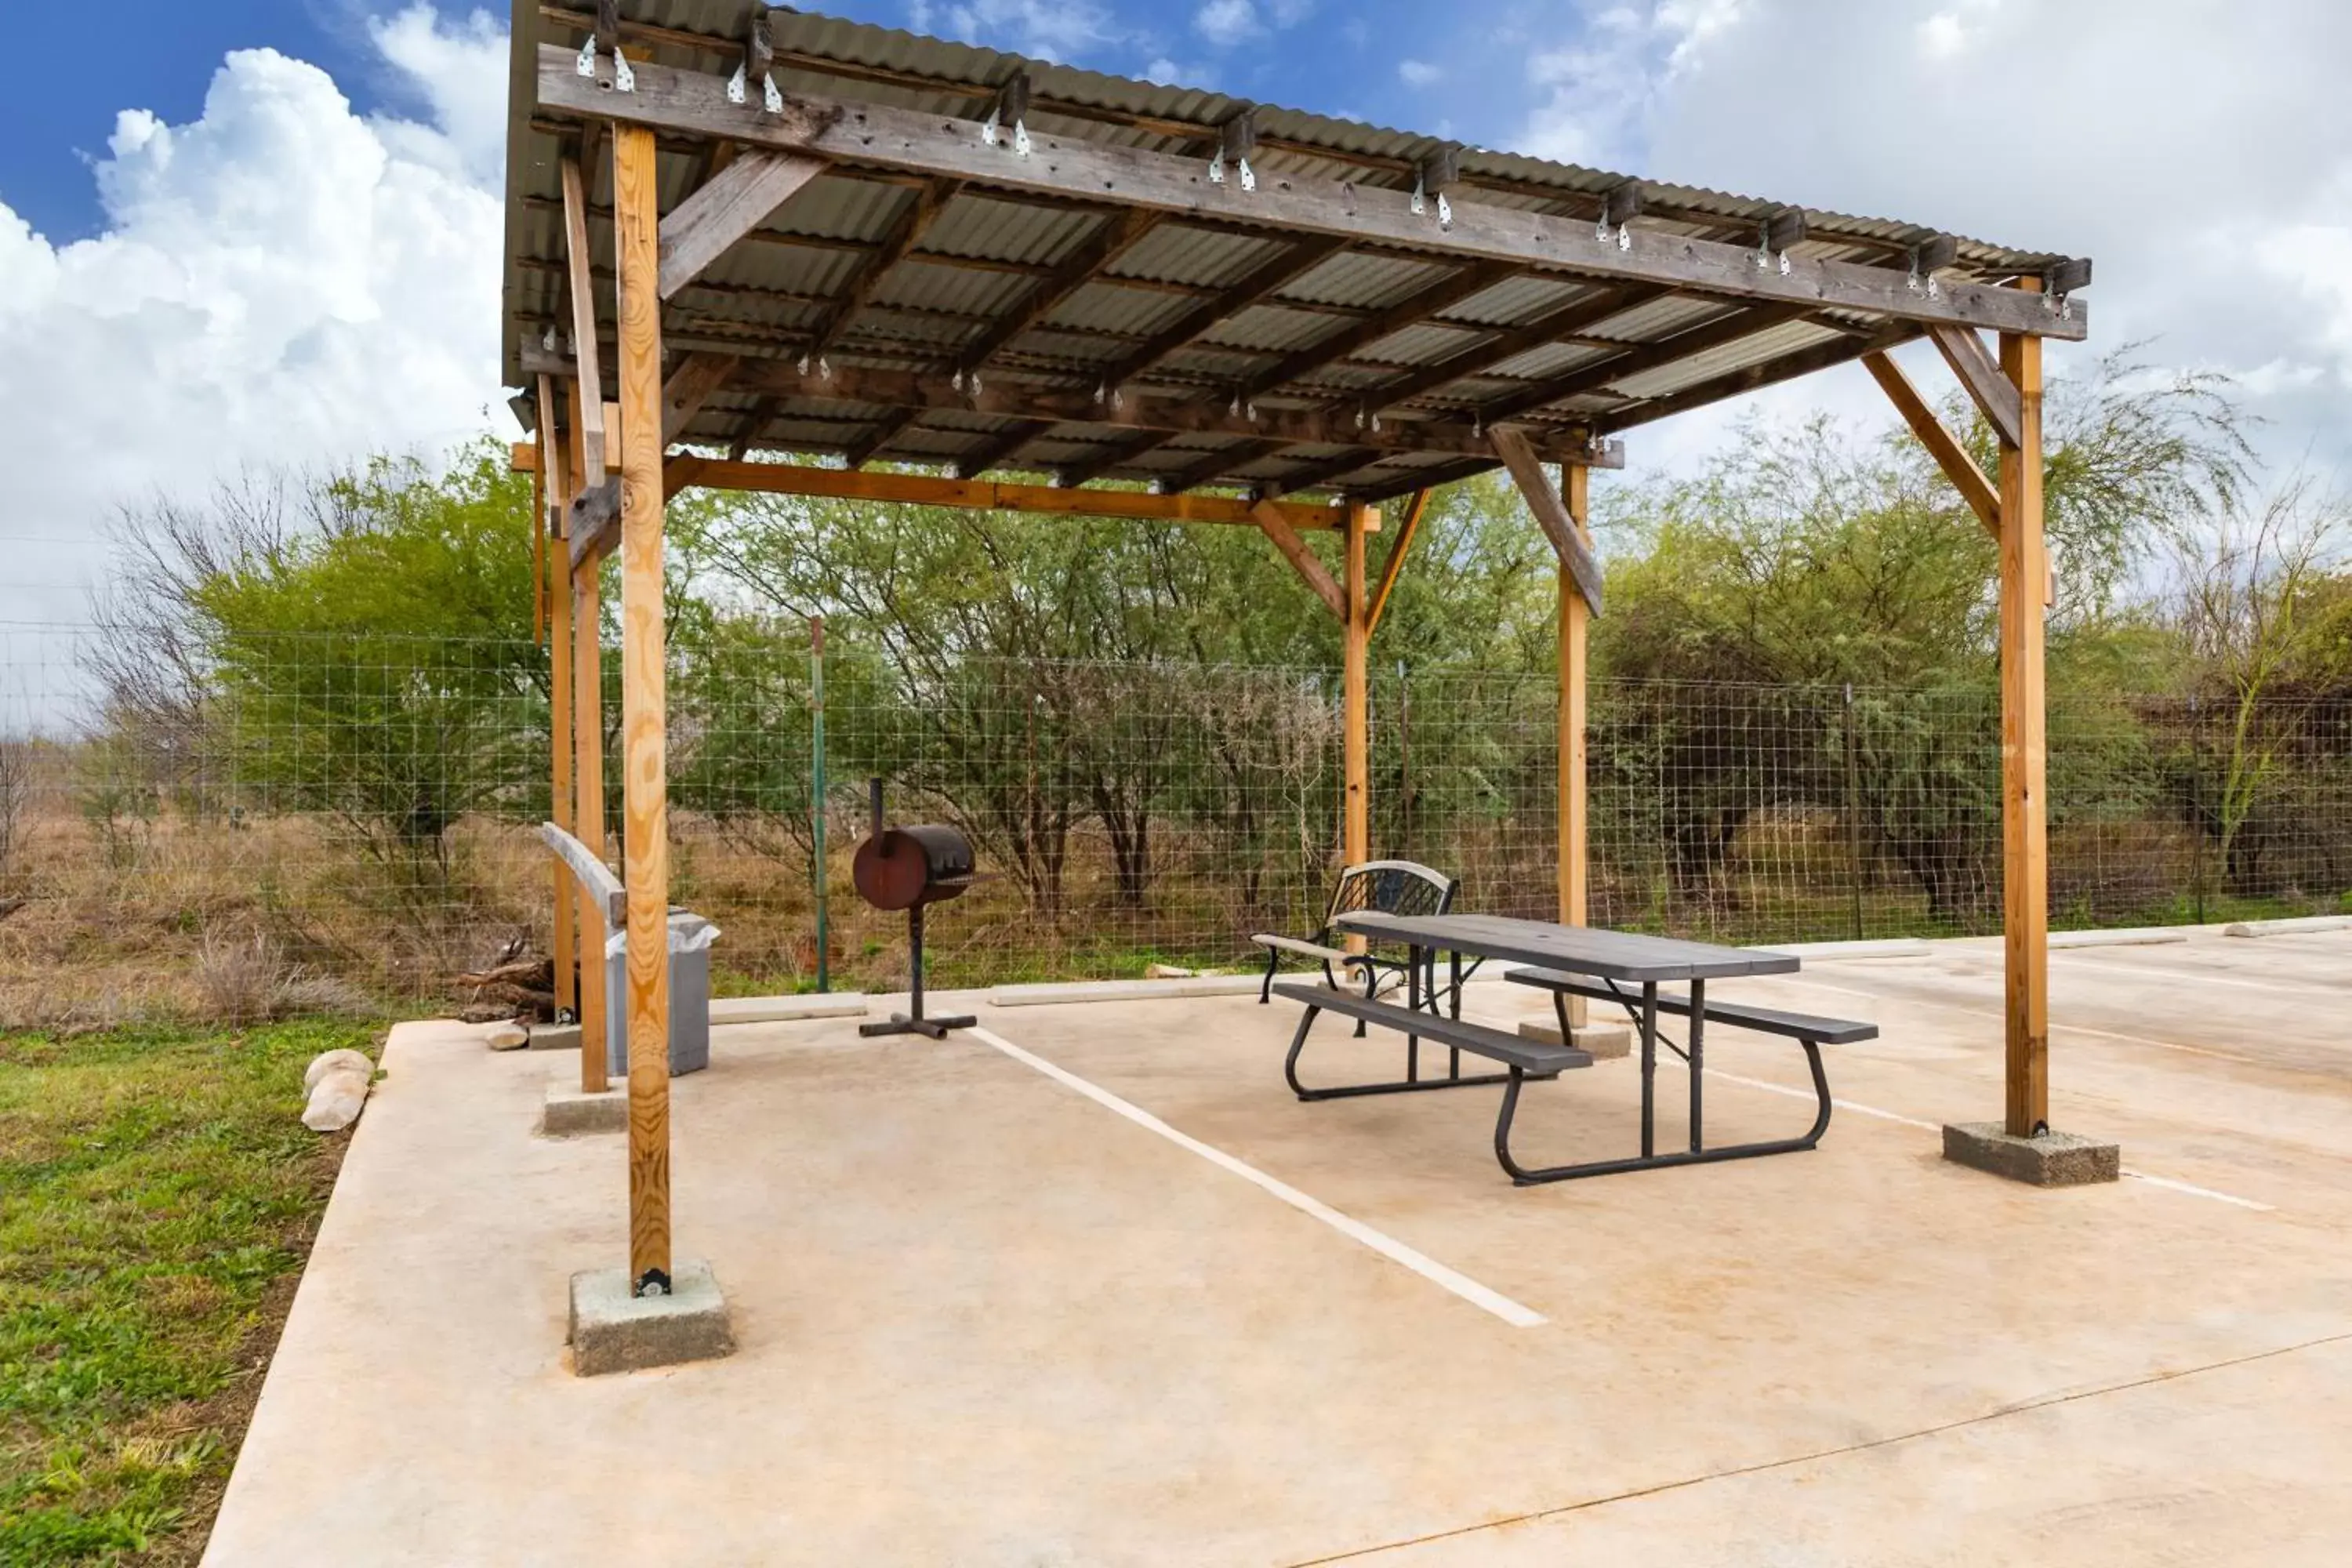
{"points": [[1783, 229], [759, 62], [1929, 256], [1436, 174], [1236, 140], [603, 44], [2060, 280], [1009, 107], [1619, 207]]}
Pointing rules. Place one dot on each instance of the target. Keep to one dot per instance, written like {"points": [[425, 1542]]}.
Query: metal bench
{"points": [[1392, 887]]}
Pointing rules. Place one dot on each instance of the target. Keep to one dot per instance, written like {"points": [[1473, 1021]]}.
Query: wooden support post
{"points": [[555, 492], [1355, 726], [1356, 697], [589, 416], [1575, 616], [588, 781], [645, 842], [2025, 872]]}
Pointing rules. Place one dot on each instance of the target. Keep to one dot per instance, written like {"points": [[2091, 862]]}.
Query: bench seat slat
{"points": [[1532, 1057], [1298, 945], [1740, 1014]]}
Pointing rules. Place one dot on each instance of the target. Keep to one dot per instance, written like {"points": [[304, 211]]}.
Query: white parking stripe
{"points": [[1387, 1247]]}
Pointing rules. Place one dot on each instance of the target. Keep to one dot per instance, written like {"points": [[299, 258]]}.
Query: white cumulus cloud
{"points": [[281, 280]]}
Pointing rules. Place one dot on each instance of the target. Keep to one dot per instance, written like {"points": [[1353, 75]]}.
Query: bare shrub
{"points": [[248, 980], [16, 797]]}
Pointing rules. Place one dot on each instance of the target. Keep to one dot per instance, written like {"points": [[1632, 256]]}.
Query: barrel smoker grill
{"points": [[906, 868]]}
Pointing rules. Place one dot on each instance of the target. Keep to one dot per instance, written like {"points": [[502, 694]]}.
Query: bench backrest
{"points": [[1392, 887]]}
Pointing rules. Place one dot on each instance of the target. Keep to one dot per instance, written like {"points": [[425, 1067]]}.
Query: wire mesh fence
{"points": [[354, 813]]}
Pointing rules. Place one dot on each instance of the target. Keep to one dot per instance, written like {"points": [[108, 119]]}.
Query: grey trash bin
{"points": [[690, 936]]}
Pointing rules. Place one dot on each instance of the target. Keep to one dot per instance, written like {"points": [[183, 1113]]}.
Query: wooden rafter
{"points": [[1411, 311], [1209, 465], [1116, 454], [1118, 235], [1941, 443], [698, 378], [734, 202], [1394, 563], [747, 432], [870, 133], [1560, 321], [1001, 447], [1638, 361], [906, 233], [1313, 573], [1551, 512], [1772, 373], [1323, 470], [1287, 266]]}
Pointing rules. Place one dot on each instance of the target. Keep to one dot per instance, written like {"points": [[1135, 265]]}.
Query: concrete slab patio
{"points": [[1088, 1285]]}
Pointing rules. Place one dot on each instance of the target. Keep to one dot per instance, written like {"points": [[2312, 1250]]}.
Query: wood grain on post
{"points": [[588, 781], [2024, 817], [556, 493], [1575, 618], [1355, 726], [645, 844], [580, 274]]}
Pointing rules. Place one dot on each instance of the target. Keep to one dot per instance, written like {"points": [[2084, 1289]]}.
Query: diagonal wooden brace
{"points": [[1551, 512], [1294, 550]]}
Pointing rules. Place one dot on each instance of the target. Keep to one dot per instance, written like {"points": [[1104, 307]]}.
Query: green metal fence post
{"points": [[816, 796], [1852, 815]]}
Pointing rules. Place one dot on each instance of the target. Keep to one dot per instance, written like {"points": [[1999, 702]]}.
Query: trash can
{"points": [[690, 937]]}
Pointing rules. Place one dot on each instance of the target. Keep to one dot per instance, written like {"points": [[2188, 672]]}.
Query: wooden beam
{"points": [[1395, 562], [874, 133], [1322, 471], [1355, 728], [1209, 465], [588, 782], [991, 495], [912, 224], [1993, 393], [1637, 361], [1427, 475], [585, 372], [1116, 454], [1560, 321], [2024, 750], [1941, 443], [645, 846], [734, 202], [1139, 408], [1119, 234], [1551, 513], [1822, 357], [1000, 447], [1286, 266], [693, 384], [1313, 573], [1414, 309], [747, 432], [556, 493]]}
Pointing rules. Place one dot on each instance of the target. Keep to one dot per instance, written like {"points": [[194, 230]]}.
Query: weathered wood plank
{"points": [[2024, 752], [585, 370], [1993, 391], [1535, 486], [695, 103], [693, 384], [734, 202], [588, 782], [1941, 443], [1313, 573], [645, 843], [1575, 683], [1355, 729], [555, 488], [991, 495]]}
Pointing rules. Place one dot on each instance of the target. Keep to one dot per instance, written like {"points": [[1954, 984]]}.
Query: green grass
{"points": [[158, 1196]]}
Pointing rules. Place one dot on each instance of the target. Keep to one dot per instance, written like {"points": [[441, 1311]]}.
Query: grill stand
{"points": [[914, 1022]]}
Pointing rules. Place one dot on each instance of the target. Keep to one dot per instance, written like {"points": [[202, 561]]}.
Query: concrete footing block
{"points": [[1599, 1041], [555, 1036], [569, 1113], [2051, 1160], [614, 1330]]}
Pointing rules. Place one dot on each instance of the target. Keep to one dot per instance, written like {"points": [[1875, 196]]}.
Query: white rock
{"points": [[326, 1062], [336, 1100], [510, 1037]]}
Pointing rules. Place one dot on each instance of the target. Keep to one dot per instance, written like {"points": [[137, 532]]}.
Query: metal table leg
{"points": [[1697, 1058], [1412, 1004]]}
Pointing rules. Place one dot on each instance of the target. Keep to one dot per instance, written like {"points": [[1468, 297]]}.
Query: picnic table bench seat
{"points": [[1740, 1014], [1533, 1058]]}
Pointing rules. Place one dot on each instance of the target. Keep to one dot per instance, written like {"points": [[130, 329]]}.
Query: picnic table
{"points": [[1621, 967]]}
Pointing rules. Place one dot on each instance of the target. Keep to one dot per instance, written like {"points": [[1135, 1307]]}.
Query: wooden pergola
{"points": [[768, 236]]}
